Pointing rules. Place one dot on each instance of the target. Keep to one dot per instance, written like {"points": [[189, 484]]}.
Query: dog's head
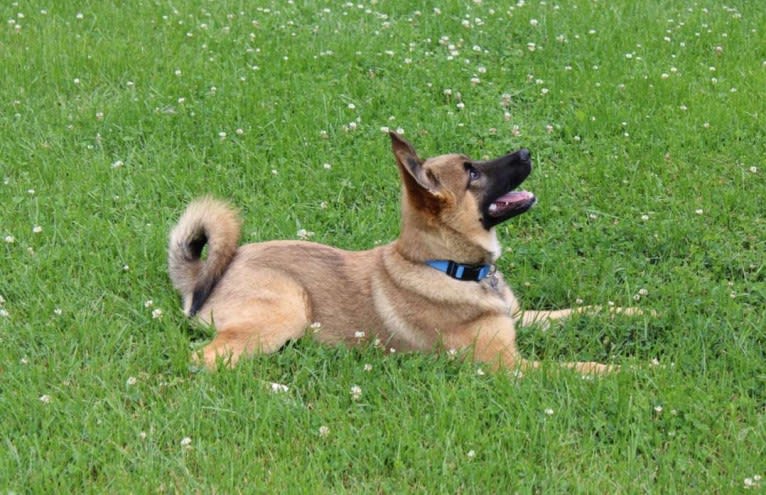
{"points": [[454, 193]]}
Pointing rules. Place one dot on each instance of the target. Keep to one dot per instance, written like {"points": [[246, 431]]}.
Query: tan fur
{"points": [[262, 295]]}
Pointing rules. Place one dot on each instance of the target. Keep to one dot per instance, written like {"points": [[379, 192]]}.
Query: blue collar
{"points": [[458, 271]]}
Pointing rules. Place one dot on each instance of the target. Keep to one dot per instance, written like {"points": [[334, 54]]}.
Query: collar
{"points": [[459, 271]]}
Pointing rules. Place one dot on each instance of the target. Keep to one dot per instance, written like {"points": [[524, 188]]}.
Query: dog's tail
{"points": [[210, 222]]}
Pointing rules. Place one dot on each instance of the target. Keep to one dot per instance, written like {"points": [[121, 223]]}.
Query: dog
{"points": [[435, 287]]}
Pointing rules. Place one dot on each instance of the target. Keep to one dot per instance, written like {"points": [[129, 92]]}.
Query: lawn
{"points": [[647, 124]]}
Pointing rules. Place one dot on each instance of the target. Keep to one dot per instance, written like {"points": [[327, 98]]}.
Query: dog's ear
{"points": [[412, 166]]}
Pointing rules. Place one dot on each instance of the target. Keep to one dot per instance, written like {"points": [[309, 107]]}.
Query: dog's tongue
{"points": [[519, 201]]}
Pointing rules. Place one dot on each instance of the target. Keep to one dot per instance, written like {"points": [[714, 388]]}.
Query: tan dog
{"points": [[434, 287]]}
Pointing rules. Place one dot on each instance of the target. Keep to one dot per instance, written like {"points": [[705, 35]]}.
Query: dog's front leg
{"points": [[544, 318], [493, 341]]}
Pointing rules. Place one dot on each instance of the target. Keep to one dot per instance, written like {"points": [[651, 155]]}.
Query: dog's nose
{"points": [[524, 154]]}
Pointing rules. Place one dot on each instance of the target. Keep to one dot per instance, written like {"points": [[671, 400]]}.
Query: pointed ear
{"points": [[410, 165]]}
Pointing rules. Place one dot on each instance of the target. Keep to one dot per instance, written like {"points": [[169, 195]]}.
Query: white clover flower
{"points": [[548, 411], [37, 229], [324, 431], [131, 381], [367, 367], [149, 303], [45, 399], [304, 234], [658, 409], [186, 442], [753, 170], [358, 335], [117, 164], [4, 313], [356, 392], [9, 239], [327, 166], [157, 314], [471, 454], [278, 388]]}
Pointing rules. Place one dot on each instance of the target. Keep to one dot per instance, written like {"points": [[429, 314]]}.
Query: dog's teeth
{"points": [[493, 208]]}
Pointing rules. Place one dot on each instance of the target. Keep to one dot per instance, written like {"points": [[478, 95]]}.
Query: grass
{"points": [[646, 121]]}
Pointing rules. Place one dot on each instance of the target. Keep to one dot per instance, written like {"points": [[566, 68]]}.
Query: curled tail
{"points": [[210, 222]]}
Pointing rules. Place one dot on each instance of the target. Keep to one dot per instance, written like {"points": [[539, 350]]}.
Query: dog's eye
{"points": [[473, 174]]}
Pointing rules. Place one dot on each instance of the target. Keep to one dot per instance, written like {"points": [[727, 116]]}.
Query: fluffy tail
{"points": [[210, 222]]}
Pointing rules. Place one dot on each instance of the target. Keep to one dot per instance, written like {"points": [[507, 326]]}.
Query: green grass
{"points": [[647, 124]]}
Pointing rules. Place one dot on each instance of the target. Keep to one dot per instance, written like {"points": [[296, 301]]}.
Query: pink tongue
{"points": [[509, 201]]}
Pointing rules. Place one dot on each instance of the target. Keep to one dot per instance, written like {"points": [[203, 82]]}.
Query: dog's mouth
{"points": [[501, 199], [511, 204]]}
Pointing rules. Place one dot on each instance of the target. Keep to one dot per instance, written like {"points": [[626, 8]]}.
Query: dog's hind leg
{"points": [[264, 322]]}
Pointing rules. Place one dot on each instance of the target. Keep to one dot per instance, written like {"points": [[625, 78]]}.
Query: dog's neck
{"points": [[421, 244]]}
